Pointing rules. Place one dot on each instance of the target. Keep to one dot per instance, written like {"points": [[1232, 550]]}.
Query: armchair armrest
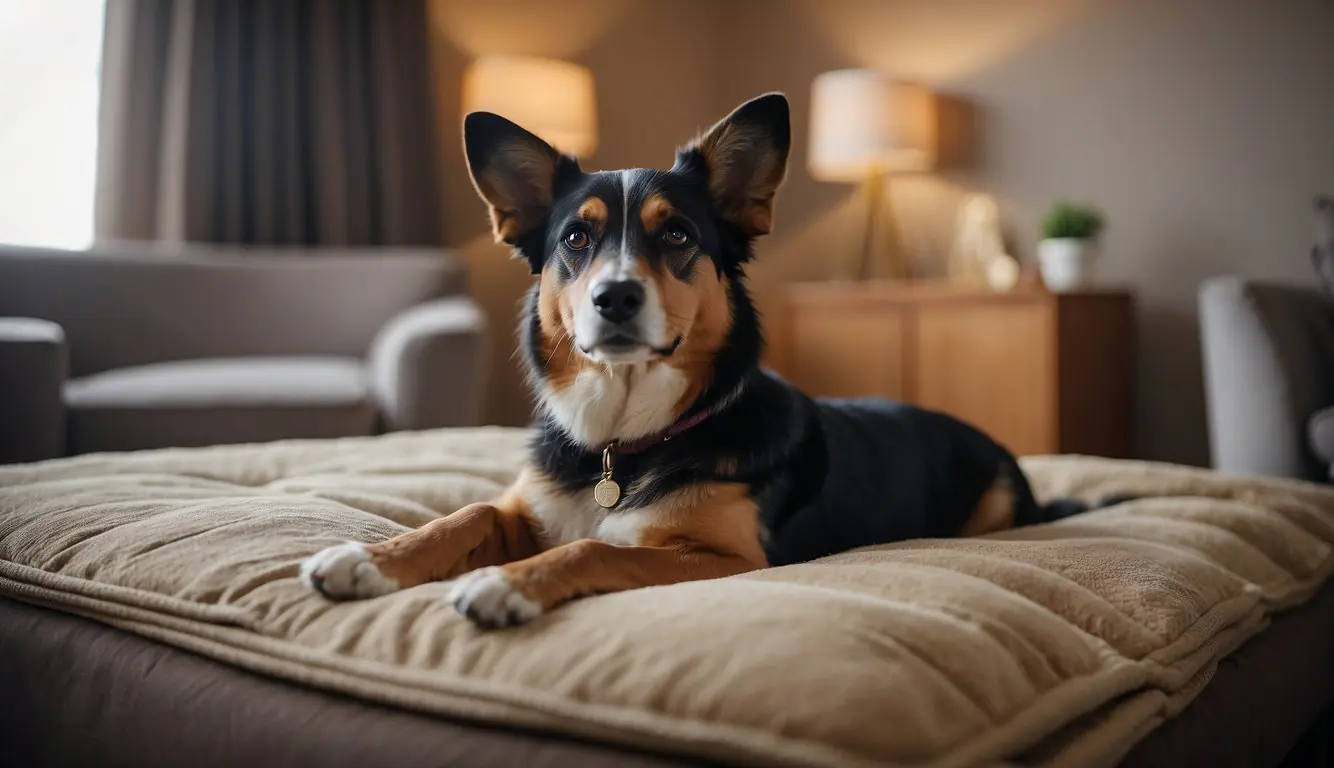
{"points": [[1322, 437], [1268, 368], [34, 364], [426, 366]]}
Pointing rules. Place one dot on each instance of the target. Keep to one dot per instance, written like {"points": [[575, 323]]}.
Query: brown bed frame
{"points": [[81, 693]]}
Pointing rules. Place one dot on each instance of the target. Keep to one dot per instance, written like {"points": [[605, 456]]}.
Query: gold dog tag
{"points": [[607, 493]]}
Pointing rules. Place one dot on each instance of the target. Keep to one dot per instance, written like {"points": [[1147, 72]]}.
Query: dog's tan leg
{"points": [[994, 511], [521, 591], [713, 533], [476, 536]]}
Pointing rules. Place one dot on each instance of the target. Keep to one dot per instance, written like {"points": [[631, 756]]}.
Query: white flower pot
{"points": [[1066, 263]]}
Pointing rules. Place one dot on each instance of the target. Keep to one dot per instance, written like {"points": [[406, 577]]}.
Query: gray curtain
{"points": [[303, 122]]}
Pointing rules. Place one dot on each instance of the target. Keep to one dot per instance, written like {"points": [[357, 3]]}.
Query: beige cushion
{"points": [[1061, 644], [213, 401]]}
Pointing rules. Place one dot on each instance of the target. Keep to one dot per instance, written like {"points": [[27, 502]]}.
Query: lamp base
{"points": [[870, 256]]}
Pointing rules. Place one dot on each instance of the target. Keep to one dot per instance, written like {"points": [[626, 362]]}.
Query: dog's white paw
{"points": [[488, 599], [345, 572]]}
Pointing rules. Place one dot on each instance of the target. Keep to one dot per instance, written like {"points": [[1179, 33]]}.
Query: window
{"points": [[50, 56]]}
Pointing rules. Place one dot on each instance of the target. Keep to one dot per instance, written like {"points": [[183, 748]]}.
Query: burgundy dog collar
{"points": [[607, 492], [644, 443]]}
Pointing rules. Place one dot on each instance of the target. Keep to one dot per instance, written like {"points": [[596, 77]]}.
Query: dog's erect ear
{"points": [[745, 156], [514, 171]]}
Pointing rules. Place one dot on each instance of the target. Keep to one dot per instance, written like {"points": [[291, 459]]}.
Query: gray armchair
{"points": [[1269, 378], [138, 346]]}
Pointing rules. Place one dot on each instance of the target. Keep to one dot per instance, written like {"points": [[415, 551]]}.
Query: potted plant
{"points": [[1066, 252]]}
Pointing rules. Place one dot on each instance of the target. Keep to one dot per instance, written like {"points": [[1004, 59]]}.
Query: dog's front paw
{"points": [[345, 572], [490, 601]]}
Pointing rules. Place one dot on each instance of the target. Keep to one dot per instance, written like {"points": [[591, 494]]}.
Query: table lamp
{"points": [[553, 99], [864, 126]]}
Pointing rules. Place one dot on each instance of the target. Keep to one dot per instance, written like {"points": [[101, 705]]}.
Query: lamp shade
{"points": [[553, 99], [863, 122]]}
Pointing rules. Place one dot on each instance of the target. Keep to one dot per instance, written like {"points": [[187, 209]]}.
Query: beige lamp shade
{"points": [[863, 122], [553, 99]]}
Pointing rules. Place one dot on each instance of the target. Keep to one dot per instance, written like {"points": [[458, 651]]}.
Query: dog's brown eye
{"points": [[675, 237], [577, 240]]}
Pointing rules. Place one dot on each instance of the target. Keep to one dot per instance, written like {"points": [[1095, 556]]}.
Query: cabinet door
{"points": [[851, 351], [992, 365], [1096, 361]]}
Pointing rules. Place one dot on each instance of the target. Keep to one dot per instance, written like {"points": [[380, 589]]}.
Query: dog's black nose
{"points": [[618, 301]]}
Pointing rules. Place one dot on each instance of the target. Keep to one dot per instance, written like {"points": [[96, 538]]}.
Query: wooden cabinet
{"points": [[1041, 372]]}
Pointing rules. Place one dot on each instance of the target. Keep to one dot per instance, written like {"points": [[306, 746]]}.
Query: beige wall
{"points": [[1202, 127]]}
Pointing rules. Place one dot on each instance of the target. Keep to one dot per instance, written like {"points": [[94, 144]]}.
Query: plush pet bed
{"points": [[1063, 644]]}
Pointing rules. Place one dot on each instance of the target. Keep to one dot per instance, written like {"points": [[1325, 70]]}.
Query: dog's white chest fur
{"points": [[567, 517], [602, 405], [629, 401]]}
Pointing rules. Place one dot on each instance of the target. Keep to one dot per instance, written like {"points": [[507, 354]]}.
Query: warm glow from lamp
{"points": [[863, 123], [553, 99]]}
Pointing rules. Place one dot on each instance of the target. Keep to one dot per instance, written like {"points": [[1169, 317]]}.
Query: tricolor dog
{"points": [[663, 451]]}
